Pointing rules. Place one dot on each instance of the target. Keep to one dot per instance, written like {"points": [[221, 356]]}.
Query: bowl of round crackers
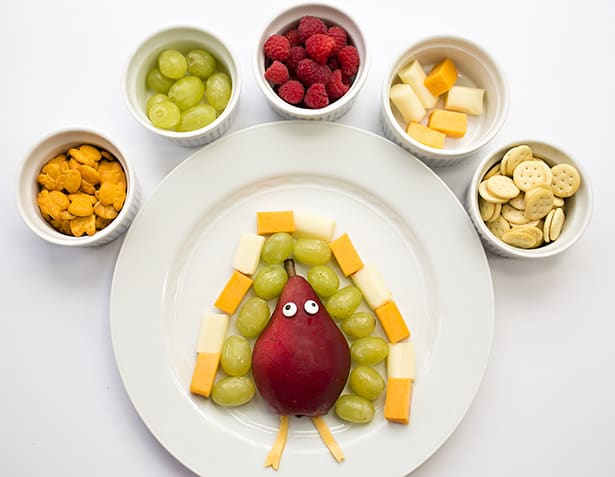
{"points": [[529, 199], [75, 187]]}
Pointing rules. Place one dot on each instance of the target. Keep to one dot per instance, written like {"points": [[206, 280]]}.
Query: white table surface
{"points": [[547, 402]]}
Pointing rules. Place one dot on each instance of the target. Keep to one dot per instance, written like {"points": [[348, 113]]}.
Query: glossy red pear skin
{"points": [[300, 364]]}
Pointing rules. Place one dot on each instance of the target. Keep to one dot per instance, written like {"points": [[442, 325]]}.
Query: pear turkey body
{"points": [[301, 360]]}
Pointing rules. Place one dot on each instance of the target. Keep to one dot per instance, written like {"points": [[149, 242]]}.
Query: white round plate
{"points": [[177, 255]]}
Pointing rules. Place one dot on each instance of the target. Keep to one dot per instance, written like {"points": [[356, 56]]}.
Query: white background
{"points": [[547, 402]]}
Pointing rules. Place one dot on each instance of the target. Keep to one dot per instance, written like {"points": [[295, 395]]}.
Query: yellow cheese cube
{"points": [[449, 122], [442, 77], [204, 373], [234, 291], [346, 255], [392, 322], [425, 135], [275, 221], [397, 401]]}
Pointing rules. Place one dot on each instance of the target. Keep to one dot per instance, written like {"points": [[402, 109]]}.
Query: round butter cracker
{"points": [[519, 237], [566, 180], [556, 224], [502, 187], [516, 156], [489, 211], [547, 226], [484, 193], [518, 202], [494, 171], [529, 174], [538, 203], [499, 226], [514, 216], [558, 201]]}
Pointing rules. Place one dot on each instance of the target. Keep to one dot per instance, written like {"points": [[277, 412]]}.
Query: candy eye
{"points": [[289, 309], [310, 307]]}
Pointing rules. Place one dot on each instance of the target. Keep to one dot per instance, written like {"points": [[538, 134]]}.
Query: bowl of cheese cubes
{"points": [[529, 199], [444, 99]]}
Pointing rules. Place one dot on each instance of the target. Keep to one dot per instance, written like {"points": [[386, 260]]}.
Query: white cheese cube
{"points": [[248, 253], [465, 100], [315, 226], [213, 332], [372, 285], [407, 102], [414, 75], [401, 360]]}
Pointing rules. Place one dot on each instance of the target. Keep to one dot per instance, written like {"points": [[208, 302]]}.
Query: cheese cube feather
{"points": [[372, 286], [248, 253]]}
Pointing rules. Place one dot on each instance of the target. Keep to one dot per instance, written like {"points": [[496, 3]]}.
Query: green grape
{"points": [[269, 281], [344, 302], [196, 117], [218, 90], [172, 64], [369, 350], [253, 316], [352, 408], [201, 63], [277, 248], [312, 251], [165, 115], [366, 382], [156, 81], [236, 356], [359, 325], [233, 391], [324, 280], [155, 99], [187, 92]]}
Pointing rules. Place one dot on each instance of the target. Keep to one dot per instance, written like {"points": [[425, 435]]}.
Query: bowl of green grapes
{"points": [[183, 83]]}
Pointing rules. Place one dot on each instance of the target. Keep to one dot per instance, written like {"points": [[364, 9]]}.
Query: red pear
{"points": [[301, 359]]}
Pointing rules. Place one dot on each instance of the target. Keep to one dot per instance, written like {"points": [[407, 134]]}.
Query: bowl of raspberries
{"points": [[311, 62]]}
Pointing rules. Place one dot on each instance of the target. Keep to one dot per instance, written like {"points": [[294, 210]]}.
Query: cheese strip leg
{"points": [[401, 372], [274, 456], [327, 438], [209, 347]]}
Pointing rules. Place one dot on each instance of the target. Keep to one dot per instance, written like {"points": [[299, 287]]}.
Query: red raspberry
{"points": [[336, 88], [319, 47], [292, 92], [293, 37], [277, 73], [349, 59], [297, 53], [310, 72], [277, 47], [340, 36], [316, 96], [333, 63], [308, 26]]}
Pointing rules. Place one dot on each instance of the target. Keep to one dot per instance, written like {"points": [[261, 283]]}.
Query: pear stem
{"points": [[289, 265]]}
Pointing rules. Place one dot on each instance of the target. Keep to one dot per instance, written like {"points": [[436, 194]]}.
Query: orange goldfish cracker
{"points": [[105, 211], [234, 291], [449, 122], [83, 225], [270, 222], [425, 135], [80, 207], [72, 180], [346, 255], [401, 373], [442, 77], [208, 348]]}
